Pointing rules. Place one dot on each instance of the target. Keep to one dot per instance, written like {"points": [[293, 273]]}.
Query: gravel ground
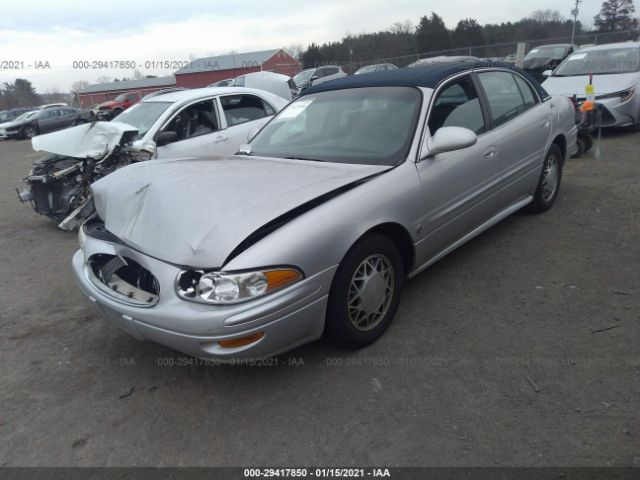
{"points": [[520, 348]]}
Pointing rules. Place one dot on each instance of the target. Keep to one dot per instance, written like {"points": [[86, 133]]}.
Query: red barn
{"points": [[204, 71], [102, 92]]}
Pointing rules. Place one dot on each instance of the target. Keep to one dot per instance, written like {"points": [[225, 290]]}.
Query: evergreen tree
{"points": [[432, 34], [616, 15]]}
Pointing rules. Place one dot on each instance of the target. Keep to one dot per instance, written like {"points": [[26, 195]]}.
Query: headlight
{"points": [[623, 95], [224, 288], [82, 237]]}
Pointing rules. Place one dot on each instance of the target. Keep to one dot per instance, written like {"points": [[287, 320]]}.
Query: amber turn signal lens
{"points": [[280, 278], [241, 341]]}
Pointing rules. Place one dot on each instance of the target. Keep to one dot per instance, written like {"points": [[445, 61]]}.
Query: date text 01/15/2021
{"points": [[316, 472]]}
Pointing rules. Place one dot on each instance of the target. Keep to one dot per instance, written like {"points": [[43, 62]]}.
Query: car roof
{"points": [[429, 76], [607, 46], [555, 45], [195, 93]]}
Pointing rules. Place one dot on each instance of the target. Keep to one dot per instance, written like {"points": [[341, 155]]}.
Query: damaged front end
{"points": [[58, 186]]}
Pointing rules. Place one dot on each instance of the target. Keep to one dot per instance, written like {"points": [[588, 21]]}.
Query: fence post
{"points": [[520, 54]]}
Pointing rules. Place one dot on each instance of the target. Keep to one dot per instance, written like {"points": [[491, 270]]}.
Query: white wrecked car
{"points": [[190, 123]]}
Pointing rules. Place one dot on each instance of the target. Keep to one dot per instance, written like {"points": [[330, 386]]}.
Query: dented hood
{"points": [[92, 140], [194, 212]]}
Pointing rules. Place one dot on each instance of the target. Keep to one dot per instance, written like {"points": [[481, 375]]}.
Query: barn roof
{"points": [[130, 84], [228, 62], [428, 76]]}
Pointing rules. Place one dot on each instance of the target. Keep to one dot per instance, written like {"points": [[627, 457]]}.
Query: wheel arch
{"points": [[561, 142], [400, 237]]}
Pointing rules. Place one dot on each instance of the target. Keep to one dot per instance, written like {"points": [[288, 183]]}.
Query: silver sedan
{"points": [[313, 228]]}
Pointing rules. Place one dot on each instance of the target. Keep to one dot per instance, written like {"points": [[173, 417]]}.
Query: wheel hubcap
{"points": [[549, 177], [370, 292]]}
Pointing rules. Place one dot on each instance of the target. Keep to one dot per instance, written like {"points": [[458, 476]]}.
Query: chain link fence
{"points": [[496, 51]]}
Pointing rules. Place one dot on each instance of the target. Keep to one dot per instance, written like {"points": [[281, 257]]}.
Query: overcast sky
{"points": [[66, 30]]}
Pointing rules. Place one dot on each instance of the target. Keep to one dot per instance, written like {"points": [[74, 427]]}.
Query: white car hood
{"points": [[194, 212], [569, 86], [93, 140]]}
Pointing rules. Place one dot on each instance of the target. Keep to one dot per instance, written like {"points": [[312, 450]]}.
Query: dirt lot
{"points": [[521, 348]]}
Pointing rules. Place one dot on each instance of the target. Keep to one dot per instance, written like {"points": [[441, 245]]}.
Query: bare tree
{"points": [[295, 50], [79, 85], [405, 27], [104, 79], [546, 16], [137, 75]]}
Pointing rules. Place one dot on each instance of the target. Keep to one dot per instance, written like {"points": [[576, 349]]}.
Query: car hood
{"points": [[603, 84], [194, 212], [110, 103], [13, 123], [89, 140]]}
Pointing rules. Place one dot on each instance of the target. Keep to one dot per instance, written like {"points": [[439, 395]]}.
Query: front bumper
{"points": [[615, 113], [288, 318], [10, 134]]}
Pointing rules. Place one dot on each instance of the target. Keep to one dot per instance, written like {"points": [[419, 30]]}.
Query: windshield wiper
{"points": [[305, 158]]}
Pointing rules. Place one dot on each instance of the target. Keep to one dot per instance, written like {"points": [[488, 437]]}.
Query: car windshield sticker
{"points": [[296, 109]]}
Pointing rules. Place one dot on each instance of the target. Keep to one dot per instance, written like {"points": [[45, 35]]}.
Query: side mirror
{"points": [[145, 151], [313, 79], [547, 73], [245, 149], [449, 139], [165, 138]]}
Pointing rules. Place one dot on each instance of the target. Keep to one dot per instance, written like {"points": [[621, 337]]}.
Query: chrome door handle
{"points": [[545, 124], [220, 139], [490, 154]]}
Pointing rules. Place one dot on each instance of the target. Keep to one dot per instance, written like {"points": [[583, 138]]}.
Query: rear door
{"points": [[459, 188], [243, 116], [522, 124], [49, 120]]}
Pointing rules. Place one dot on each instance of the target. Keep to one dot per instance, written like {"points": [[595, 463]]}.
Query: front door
{"points": [[459, 188]]}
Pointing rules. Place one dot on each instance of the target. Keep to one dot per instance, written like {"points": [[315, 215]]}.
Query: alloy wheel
{"points": [[549, 177]]}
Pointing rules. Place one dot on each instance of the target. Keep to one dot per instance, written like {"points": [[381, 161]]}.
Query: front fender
{"points": [[320, 238]]}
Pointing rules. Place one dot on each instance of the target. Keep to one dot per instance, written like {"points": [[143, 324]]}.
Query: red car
{"points": [[113, 108]]}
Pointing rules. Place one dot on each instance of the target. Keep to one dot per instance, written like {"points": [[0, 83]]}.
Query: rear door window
{"points": [[503, 95], [240, 109], [527, 94]]}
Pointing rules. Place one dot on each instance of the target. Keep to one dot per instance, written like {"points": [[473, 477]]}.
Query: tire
{"points": [[377, 257], [588, 142], [581, 148], [79, 121], [29, 132], [546, 191]]}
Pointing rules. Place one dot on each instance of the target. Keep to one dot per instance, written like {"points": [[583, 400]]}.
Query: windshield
{"points": [[303, 76], [614, 60], [120, 98], [143, 115], [546, 52], [372, 126]]}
